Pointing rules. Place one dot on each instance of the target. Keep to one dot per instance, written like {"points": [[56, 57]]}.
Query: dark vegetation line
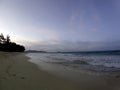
{"points": [[8, 46]]}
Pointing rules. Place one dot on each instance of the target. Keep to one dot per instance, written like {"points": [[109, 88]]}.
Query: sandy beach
{"points": [[17, 73]]}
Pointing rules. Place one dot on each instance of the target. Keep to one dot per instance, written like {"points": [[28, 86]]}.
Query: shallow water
{"points": [[95, 63]]}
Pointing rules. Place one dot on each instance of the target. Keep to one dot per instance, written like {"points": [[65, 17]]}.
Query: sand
{"points": [[17, 73]]}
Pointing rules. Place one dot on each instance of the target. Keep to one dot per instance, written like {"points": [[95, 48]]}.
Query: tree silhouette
{"points": [[2, 39], [8, 39], [7, 45]]}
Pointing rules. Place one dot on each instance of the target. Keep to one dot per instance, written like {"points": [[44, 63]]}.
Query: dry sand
{"points": [[16, 73]]}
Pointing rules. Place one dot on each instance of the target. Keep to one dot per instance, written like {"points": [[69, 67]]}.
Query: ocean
{"points": [[103, 62]]}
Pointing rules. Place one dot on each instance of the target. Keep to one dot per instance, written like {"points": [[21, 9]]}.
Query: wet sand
{"points": [[17, 73]]}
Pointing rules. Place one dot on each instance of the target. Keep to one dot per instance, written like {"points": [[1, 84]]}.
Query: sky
{"points": [[62, 25]]}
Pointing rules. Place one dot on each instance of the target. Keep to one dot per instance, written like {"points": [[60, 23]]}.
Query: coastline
{"points": [[17, 73]]}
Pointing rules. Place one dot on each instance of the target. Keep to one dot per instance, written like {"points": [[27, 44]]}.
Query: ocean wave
{"points": [[97, 63], [80, 62]]}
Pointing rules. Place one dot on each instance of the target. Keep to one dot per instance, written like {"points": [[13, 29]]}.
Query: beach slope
{"points": [[17, 73]]}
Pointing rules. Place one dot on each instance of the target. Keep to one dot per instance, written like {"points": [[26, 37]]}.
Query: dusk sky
{"points": [[62, 25]]}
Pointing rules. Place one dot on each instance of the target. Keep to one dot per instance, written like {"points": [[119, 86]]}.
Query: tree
{"points": [[8, 39], [7, 45], [2, 39]]}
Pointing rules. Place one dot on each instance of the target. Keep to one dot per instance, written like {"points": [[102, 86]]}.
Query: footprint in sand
{"points": [[117, 76], [14, 75], [3, 78], [22, 77]]}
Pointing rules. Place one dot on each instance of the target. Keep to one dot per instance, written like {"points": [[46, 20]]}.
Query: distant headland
{"points": [[7, 46], [35, 51]]}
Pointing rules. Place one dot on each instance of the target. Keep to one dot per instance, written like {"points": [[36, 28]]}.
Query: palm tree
{"points": [[8, 39], [2, 39]]}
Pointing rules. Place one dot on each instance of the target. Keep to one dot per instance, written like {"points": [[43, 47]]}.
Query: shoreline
{"points": [[18, 73]]}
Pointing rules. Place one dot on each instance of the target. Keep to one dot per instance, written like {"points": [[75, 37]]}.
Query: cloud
{"points": [[28, 34], [77, 17], [116, 4], [39, 30], [78, 46], [86, 18]]}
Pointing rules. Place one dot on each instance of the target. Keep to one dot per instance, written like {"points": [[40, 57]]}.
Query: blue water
{"points": [[101, 62]]}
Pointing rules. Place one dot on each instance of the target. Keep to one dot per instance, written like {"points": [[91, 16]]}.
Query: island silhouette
{"points": [[7, 46]]}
